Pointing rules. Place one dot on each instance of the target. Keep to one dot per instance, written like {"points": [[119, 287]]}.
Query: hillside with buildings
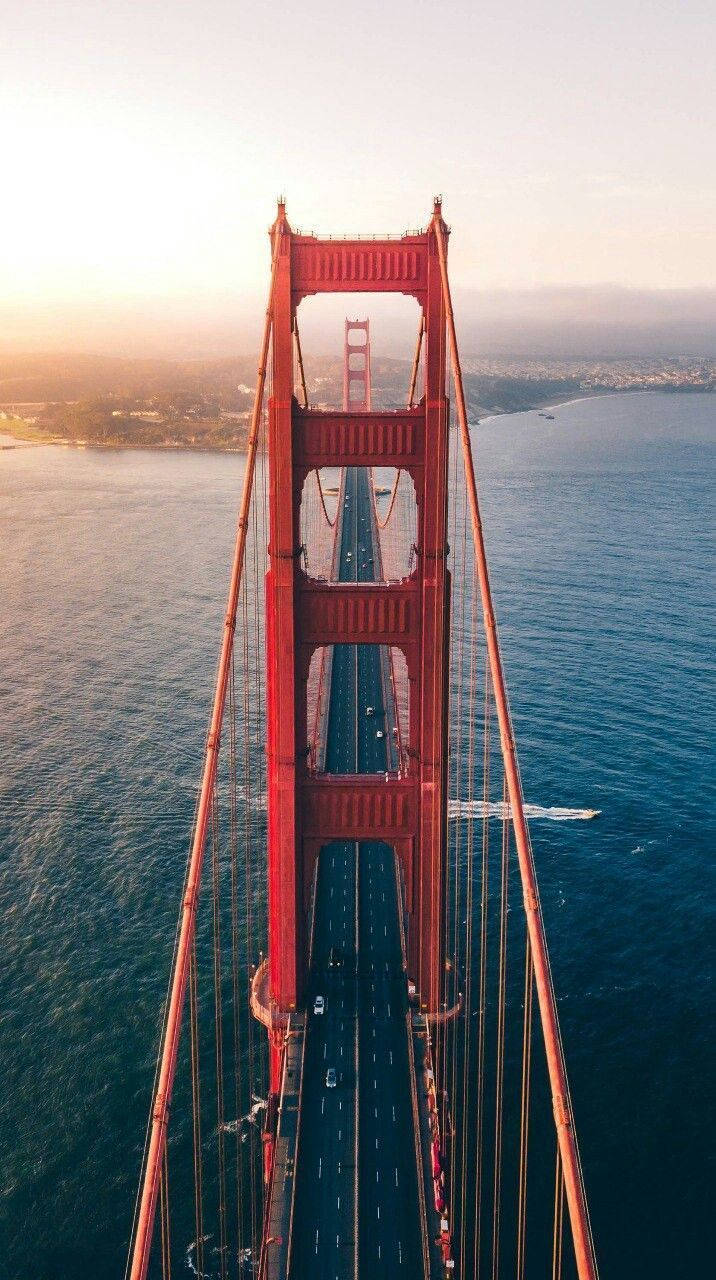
{"points": [[206, 404]]}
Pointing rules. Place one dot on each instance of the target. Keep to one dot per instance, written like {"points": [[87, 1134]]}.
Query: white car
{"points": [[370, 711], [319, 1005], [380, 734], [331, 1078]]}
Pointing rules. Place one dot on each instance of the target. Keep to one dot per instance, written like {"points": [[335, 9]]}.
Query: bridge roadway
{"points": [[356, 1206]]}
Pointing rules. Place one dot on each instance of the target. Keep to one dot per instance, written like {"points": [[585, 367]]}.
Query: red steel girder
{"points": [[359, 266], [359, 807], [359, 613], [333, 438]]}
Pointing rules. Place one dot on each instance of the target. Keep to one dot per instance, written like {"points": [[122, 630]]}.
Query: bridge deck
{"points": [[360, 1206]]}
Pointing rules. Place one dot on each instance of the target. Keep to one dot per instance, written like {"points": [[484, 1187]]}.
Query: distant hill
{"points": [[206, 404], [27, 378]]}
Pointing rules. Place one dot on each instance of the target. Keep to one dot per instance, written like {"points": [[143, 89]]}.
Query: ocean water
{"points": [[113, 573]]}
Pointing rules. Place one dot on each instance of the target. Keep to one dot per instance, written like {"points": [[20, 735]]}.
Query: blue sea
{"points": [[113, 575]]}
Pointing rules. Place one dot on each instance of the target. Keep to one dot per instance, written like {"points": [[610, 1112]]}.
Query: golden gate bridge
{"points": [[360, 1067]]}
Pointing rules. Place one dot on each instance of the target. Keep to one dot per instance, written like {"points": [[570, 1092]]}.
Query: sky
{"points": [[144, 144]]}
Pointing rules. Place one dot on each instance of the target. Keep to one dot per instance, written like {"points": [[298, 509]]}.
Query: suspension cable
{"points": [[331, 523], [391, 504], [172, 1027], [300, 361], [564, 1118], [416, 360]]}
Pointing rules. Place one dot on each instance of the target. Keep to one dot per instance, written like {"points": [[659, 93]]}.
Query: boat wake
{"points": [[475, 809], [254, 1116], [550, 813]]}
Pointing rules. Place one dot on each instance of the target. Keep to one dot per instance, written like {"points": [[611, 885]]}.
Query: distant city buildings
{"points": [[176, 406], [642, 374]]}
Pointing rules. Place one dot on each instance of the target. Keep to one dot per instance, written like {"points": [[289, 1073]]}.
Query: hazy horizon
{"points": [[551, 322], [145, 146]]}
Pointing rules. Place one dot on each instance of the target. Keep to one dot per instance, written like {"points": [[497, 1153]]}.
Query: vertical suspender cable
{"points": [[196, 1113], [557, 1231], [437, 960], [235, 979], [456, 826], [164, 1217], [467, 1037], [482, 1009], [248, 902], [564, 1119], [437, 817], [218, 1031], [500, 1042], [524, 1112], [256, 697], [142, 1240]]}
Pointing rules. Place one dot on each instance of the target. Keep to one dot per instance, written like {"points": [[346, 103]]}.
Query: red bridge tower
{"points": [[306, 810], [356, 367]]}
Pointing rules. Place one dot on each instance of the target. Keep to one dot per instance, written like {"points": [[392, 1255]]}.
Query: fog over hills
{"points": [[599, 322], [591, 322]]}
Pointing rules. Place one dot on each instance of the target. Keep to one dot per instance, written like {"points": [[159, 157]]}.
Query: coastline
{"points": [[16, 439], [15, 433], [541, 407]]}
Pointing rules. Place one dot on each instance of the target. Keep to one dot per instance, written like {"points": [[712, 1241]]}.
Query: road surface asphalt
{"points": [[356, 1211]]}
